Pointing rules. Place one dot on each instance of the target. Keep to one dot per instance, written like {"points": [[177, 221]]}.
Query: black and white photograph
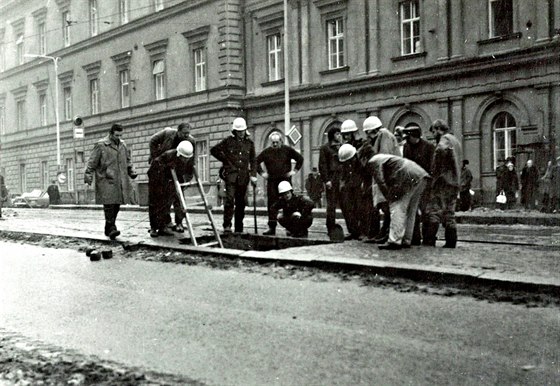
{"points": [[279, 192]]}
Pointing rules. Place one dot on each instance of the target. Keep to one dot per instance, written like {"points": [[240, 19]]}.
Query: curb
{"points": [[413, 272]]}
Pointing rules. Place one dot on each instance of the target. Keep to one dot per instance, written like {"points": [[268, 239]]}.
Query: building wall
{"points": [[458, 74]]}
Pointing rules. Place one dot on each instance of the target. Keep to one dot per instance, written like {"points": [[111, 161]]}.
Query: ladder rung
{"points": [[211, 244]]}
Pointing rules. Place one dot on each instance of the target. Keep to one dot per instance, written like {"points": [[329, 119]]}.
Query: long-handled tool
{"points": [[255, 207], [208, 208]]}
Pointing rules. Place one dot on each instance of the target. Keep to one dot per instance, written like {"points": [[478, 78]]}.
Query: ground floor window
{"points": [[505, 137]]}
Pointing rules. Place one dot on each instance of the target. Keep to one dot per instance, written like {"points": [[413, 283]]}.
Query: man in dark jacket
{"points": [[110, 163], [329, 169], [446, 174], [465, 192], [529, 185], [237, 154], [54, 194], [3, 194], [160, 142], [294, 211], [351, 191], [419, 150], [314, 187], [278, 162]]}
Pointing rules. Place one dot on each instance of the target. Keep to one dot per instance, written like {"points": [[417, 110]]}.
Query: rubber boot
{"points": [[450, 238], [431, 235], [271, 229]]}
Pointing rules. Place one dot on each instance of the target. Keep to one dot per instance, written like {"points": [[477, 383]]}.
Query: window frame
{"points": [[159, 5], [122, 87], [20, 115], [492, 33], [200, 81], [2, 57], [2, 119], [67, 96], [43, 108], [277, 53], [414, 47], [22, 177], [159, 81], [66, 28], [93, 18], [338, 39], [124, 10], [44, 174], [42, 37], [20, 49], [94, 96], [202, 159], [507, 130]]}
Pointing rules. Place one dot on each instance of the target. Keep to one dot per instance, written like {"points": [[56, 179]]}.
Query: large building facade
{"points": [[490, 68]]}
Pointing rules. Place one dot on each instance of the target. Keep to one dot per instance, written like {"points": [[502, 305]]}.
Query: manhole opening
{"points": [[252, 242]]}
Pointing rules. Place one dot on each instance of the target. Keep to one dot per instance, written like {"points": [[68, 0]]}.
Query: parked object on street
{"points": [[34, 199]]}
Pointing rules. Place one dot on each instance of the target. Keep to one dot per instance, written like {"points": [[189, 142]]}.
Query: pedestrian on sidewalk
{"points": [[529, 185], [112, 167], [329, 170], [237, 155], [402, 181], [54, 194], [162, 141], [161, 189], [277, 159], [510, 185], [3, 194], [545, 186], [465, 198], [294, 211], [314, 187], [419, 150], [351, 187], [446, 174]]}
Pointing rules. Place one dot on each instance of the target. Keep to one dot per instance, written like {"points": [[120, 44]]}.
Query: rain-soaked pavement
{"points": [[233, 325]]}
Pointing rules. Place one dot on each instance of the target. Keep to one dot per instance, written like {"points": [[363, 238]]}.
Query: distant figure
{"points": [[54, 194], [465, 199], [510, 185], [314, 187], [529, 185], [545, 184], [555, 187], [294, 211], [3, 194]]}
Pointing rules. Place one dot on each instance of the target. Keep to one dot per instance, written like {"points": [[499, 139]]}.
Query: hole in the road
{"points": [[252, 242]]}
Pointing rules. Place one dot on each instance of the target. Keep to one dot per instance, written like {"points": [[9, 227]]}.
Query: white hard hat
{"points": [[348, 126], [239, 124], [372, 123], [346, 152], [185, 149], [284, 186], [274, 136]]}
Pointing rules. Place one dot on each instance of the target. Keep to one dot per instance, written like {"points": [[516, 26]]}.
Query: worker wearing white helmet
{"points": [[237, 154], [277, 159], [349, 132], [351, 182], [329, 170], [294, 211], [161, 191], [161, 188]]}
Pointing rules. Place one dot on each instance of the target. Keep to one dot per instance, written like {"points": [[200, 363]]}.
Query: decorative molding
{"points": [[409, 56], [197, 36], [41, 85], [271, 20], [20, 92], [40, 14], [63, 5], [66, 77], [513, 36], [327, 6], [18, 26], [122, 60], [92, 69], [157, 48], [335, 70]]}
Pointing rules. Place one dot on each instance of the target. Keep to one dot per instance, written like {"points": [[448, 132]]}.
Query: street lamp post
{"points": [[55, 60]]}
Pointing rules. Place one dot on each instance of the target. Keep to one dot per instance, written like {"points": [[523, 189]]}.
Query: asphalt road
{"points": [[236, 327]]}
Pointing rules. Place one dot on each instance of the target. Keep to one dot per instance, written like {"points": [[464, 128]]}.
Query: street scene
{"points": [[282, 192]]}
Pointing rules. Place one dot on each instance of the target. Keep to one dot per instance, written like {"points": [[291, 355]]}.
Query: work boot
{"points": [[178, 228], [450, 238], [153, 233], [271, 229], [227, 229], [430, 235], [113, 233]]}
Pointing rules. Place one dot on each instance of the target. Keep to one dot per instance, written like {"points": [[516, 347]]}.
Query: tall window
{"points": [[200, 69], [505, 136], [125, 93], [20, 49], [70, 174], [94, 95], [2, 120], [93, 18], [20, 115], [67, 92], [43, 108], [42, 36], [159, 79], [500, 20], [2, 57], [410, 27], [22, 178], [336, 43], [66, 28], [202, 165], [159, 4], [123, 11], [44, 175], [275, 64]]}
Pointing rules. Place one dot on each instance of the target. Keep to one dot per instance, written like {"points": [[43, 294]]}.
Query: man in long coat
{"points": [[529, 185], [110, 163], [3, 194], [329, 169]]}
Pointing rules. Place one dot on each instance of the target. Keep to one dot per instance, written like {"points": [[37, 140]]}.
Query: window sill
{"points": [[272, 82], [409, 56], [501, 38], [334, 70]]}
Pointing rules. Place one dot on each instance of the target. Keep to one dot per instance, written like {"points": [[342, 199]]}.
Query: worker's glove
{"points": [[328, 184], [254, 181], [290, 173], [264, 175], [296, 215]]}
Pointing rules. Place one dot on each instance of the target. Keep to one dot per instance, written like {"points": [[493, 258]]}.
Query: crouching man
{"points": [[294, 211], [402, 182]]}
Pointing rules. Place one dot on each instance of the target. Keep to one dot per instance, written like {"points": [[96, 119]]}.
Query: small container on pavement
{"points": [[107, 254], [89, 250], [94, 255]]}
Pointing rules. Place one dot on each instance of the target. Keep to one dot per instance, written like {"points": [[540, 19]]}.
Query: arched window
{"points": [[505, 136]]}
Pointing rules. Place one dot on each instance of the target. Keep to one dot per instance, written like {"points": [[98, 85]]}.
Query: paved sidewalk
{"points": [[531, 257]]}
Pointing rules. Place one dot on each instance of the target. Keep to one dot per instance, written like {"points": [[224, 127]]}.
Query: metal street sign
{"points": [[78, 132], [61, 178], [294, 135]]}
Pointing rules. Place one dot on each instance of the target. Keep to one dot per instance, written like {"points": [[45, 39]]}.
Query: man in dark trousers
{"points": [[351, 188], [465, 197], [329, 169], [160, 142], [3, 194], [110, 163], [314, 187], [54, 194], [237, 154], [161, 189], [529, 185], [419, 150], [278, 162], [294, 211], [446, 174]]}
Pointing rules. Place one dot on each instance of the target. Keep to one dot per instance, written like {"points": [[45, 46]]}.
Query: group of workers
{"points": [[398, 175]]}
